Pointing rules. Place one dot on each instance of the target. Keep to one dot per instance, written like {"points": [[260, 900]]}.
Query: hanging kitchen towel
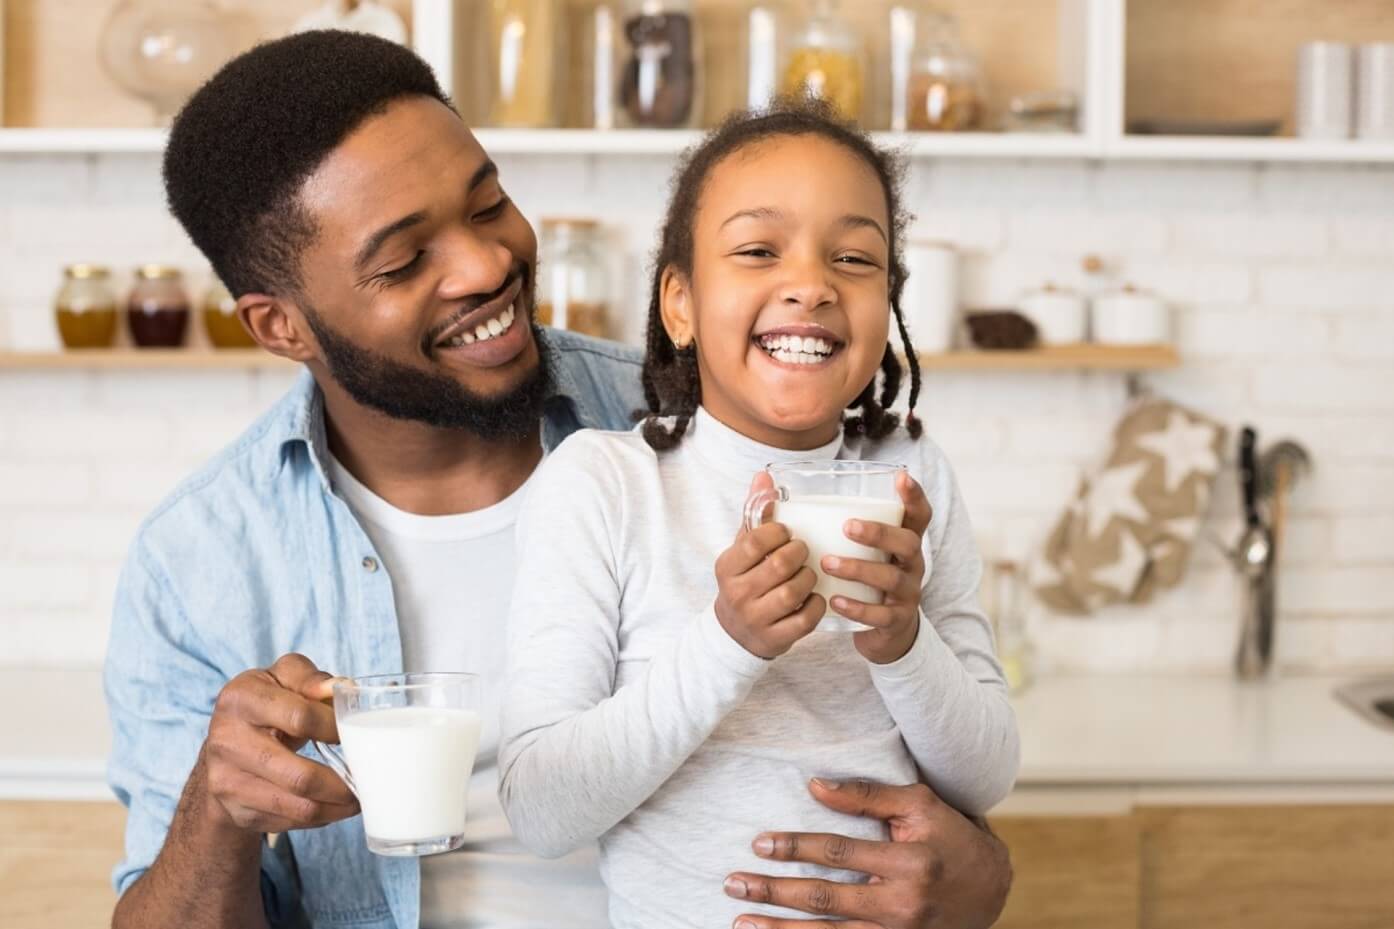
{"points": [[1128, 532]]}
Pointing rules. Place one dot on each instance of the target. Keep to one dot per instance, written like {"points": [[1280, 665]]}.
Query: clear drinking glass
{"points": [[814, 500], [409, 742]]}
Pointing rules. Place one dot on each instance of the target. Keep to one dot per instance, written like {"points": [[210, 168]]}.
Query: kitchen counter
{"points": [[1087, 742]]}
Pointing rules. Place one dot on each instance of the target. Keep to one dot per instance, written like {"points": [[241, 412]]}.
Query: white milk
{"points": [[817, 520], [411, 766]]}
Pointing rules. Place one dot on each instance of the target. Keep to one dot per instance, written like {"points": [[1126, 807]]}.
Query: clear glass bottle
{"points": [[220, 319], [764, 29], [660, 77], [526, 57], [574, 287], [1006, 605], [825, 60], [85, 307], [946, 85], [157, 310]]}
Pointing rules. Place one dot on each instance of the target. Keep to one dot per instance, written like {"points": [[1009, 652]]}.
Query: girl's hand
{"points": [[896, 620], [763, 589]]}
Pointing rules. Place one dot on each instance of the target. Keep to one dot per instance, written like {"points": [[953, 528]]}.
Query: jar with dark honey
{"points": [[158, 308], [225, 329], [86, 307]]}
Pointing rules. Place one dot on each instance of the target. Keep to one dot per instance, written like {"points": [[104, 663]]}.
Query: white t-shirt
{"points": [[452, 579]]}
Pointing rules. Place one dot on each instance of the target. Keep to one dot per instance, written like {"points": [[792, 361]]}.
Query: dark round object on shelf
{"points": [[1000, 329]]}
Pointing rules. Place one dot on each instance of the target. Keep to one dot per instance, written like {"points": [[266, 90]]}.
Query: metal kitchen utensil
{"points": [[1254, 559]]}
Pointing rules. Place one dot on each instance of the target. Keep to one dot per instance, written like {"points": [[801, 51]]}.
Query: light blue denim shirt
{"points": [[256, 556]]}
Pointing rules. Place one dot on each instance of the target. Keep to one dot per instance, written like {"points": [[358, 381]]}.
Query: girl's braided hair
{"points": [[672, 387]]}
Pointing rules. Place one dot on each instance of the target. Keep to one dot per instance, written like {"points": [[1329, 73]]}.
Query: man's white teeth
{"points": [[794, 349], [486, 330]]}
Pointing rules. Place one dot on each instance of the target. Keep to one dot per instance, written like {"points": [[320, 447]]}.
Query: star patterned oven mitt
{"points": [[1129, 531]]}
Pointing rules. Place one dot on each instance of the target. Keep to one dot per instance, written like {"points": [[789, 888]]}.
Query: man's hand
{"points": [[254, 777], [939, 871]]}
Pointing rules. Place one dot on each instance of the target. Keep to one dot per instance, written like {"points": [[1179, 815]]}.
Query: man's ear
{"points": [[278, 326], [675, 307]]}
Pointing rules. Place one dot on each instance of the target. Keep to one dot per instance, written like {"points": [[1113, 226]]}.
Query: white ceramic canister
{"points": [[1131, 317], [930, 297], [1060, 315], [1374, 91], [1325, 90]]}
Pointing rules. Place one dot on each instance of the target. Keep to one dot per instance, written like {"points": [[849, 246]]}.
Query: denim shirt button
{"points": [[370, 564]]}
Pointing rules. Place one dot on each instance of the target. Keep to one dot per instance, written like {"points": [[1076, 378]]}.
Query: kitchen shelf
{"points": [[569, 142], [135, 359], [1082, 357], [1055, 358]]}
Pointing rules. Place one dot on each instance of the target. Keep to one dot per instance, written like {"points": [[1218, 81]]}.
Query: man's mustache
{"points": [[468, 305]]}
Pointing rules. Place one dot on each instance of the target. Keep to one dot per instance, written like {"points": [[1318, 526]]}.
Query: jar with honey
{"points": [[86, 307], [157, 310], [574, 288], [220, 319], [825, 61]]}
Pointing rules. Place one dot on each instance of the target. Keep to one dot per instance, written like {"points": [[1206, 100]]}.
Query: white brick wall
{"points": [[1280, 278]]}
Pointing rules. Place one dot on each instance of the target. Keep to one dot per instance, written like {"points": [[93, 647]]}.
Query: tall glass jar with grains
{"points": [[525, 59], [825, 61]]}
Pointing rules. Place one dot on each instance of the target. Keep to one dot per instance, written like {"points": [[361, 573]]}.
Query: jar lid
{"points": [[86, 272], [158, 273]]}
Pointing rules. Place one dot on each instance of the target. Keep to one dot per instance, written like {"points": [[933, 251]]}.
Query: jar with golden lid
{"points": [[157, 311], [85, 307], [220, 319]]}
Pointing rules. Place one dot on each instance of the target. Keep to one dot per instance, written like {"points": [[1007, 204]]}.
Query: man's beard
{"points": [[404, 392]]}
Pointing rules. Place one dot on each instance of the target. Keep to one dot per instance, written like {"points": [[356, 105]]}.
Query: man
{"points": [[365, 525]]}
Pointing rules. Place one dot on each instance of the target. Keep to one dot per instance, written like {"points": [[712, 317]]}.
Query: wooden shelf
{"points": [[183, 359], [1220, 148], [1084, 357], [1055, 358]]}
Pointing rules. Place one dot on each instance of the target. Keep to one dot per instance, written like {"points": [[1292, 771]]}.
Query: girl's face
{"points": [[788, 302]]}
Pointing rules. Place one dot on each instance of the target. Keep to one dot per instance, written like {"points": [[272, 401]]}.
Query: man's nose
{"points": [[476, 266]]}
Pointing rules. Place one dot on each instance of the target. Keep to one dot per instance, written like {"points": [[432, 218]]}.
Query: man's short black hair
{"points": [[244, 145]]}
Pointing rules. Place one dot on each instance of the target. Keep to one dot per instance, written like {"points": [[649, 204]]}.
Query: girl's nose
{"points": [[807, 287]]}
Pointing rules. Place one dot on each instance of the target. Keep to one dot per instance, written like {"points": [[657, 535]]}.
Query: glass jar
{"points": [[157, 310], [764, 30], [825, 61], [85, 307], [946, 86], [574, 291], [1006, 605], [220, 319], [659, 80], [525, 59]]}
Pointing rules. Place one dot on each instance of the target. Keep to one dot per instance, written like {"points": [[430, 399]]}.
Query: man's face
{"points": [[419, 283]]}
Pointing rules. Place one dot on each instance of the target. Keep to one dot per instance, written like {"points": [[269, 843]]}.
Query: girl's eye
{"points": [[857, 259], [492, 212], [756, 252], [387, 278]]}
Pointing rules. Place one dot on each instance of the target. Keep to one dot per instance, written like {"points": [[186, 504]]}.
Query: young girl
{"points": [[673, 711]]}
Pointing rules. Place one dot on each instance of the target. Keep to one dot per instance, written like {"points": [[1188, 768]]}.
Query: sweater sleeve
{"points": [[948, 695], [577, 755]]}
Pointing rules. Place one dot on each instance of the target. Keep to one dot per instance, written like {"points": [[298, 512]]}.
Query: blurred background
{"points": [[1152, 292]]}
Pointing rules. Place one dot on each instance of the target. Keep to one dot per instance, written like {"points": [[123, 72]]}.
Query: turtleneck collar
{"points": [[735, 455]]}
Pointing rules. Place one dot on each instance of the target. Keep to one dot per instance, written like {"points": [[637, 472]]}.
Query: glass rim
{"points": [[408, 681], [815, 467]]}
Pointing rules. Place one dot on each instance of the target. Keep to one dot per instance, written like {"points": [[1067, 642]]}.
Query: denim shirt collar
{"points": [[307, 421]]}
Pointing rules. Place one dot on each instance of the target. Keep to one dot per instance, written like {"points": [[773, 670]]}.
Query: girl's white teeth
{"points": [[487, 330], [794, 349]]}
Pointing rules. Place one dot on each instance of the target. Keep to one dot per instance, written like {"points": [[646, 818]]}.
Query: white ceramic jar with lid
{"points": [[1131, 316], [1060, 315]]}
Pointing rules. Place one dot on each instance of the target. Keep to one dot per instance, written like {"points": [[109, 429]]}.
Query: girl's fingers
{"points": [[874, 615], [802, 621], [918, 512], [887, 578], [787, 597], [901, 544], [780, 566]]}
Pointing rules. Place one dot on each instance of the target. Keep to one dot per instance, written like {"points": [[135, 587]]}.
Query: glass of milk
{"points": [[409, 742], [814, 500]]}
